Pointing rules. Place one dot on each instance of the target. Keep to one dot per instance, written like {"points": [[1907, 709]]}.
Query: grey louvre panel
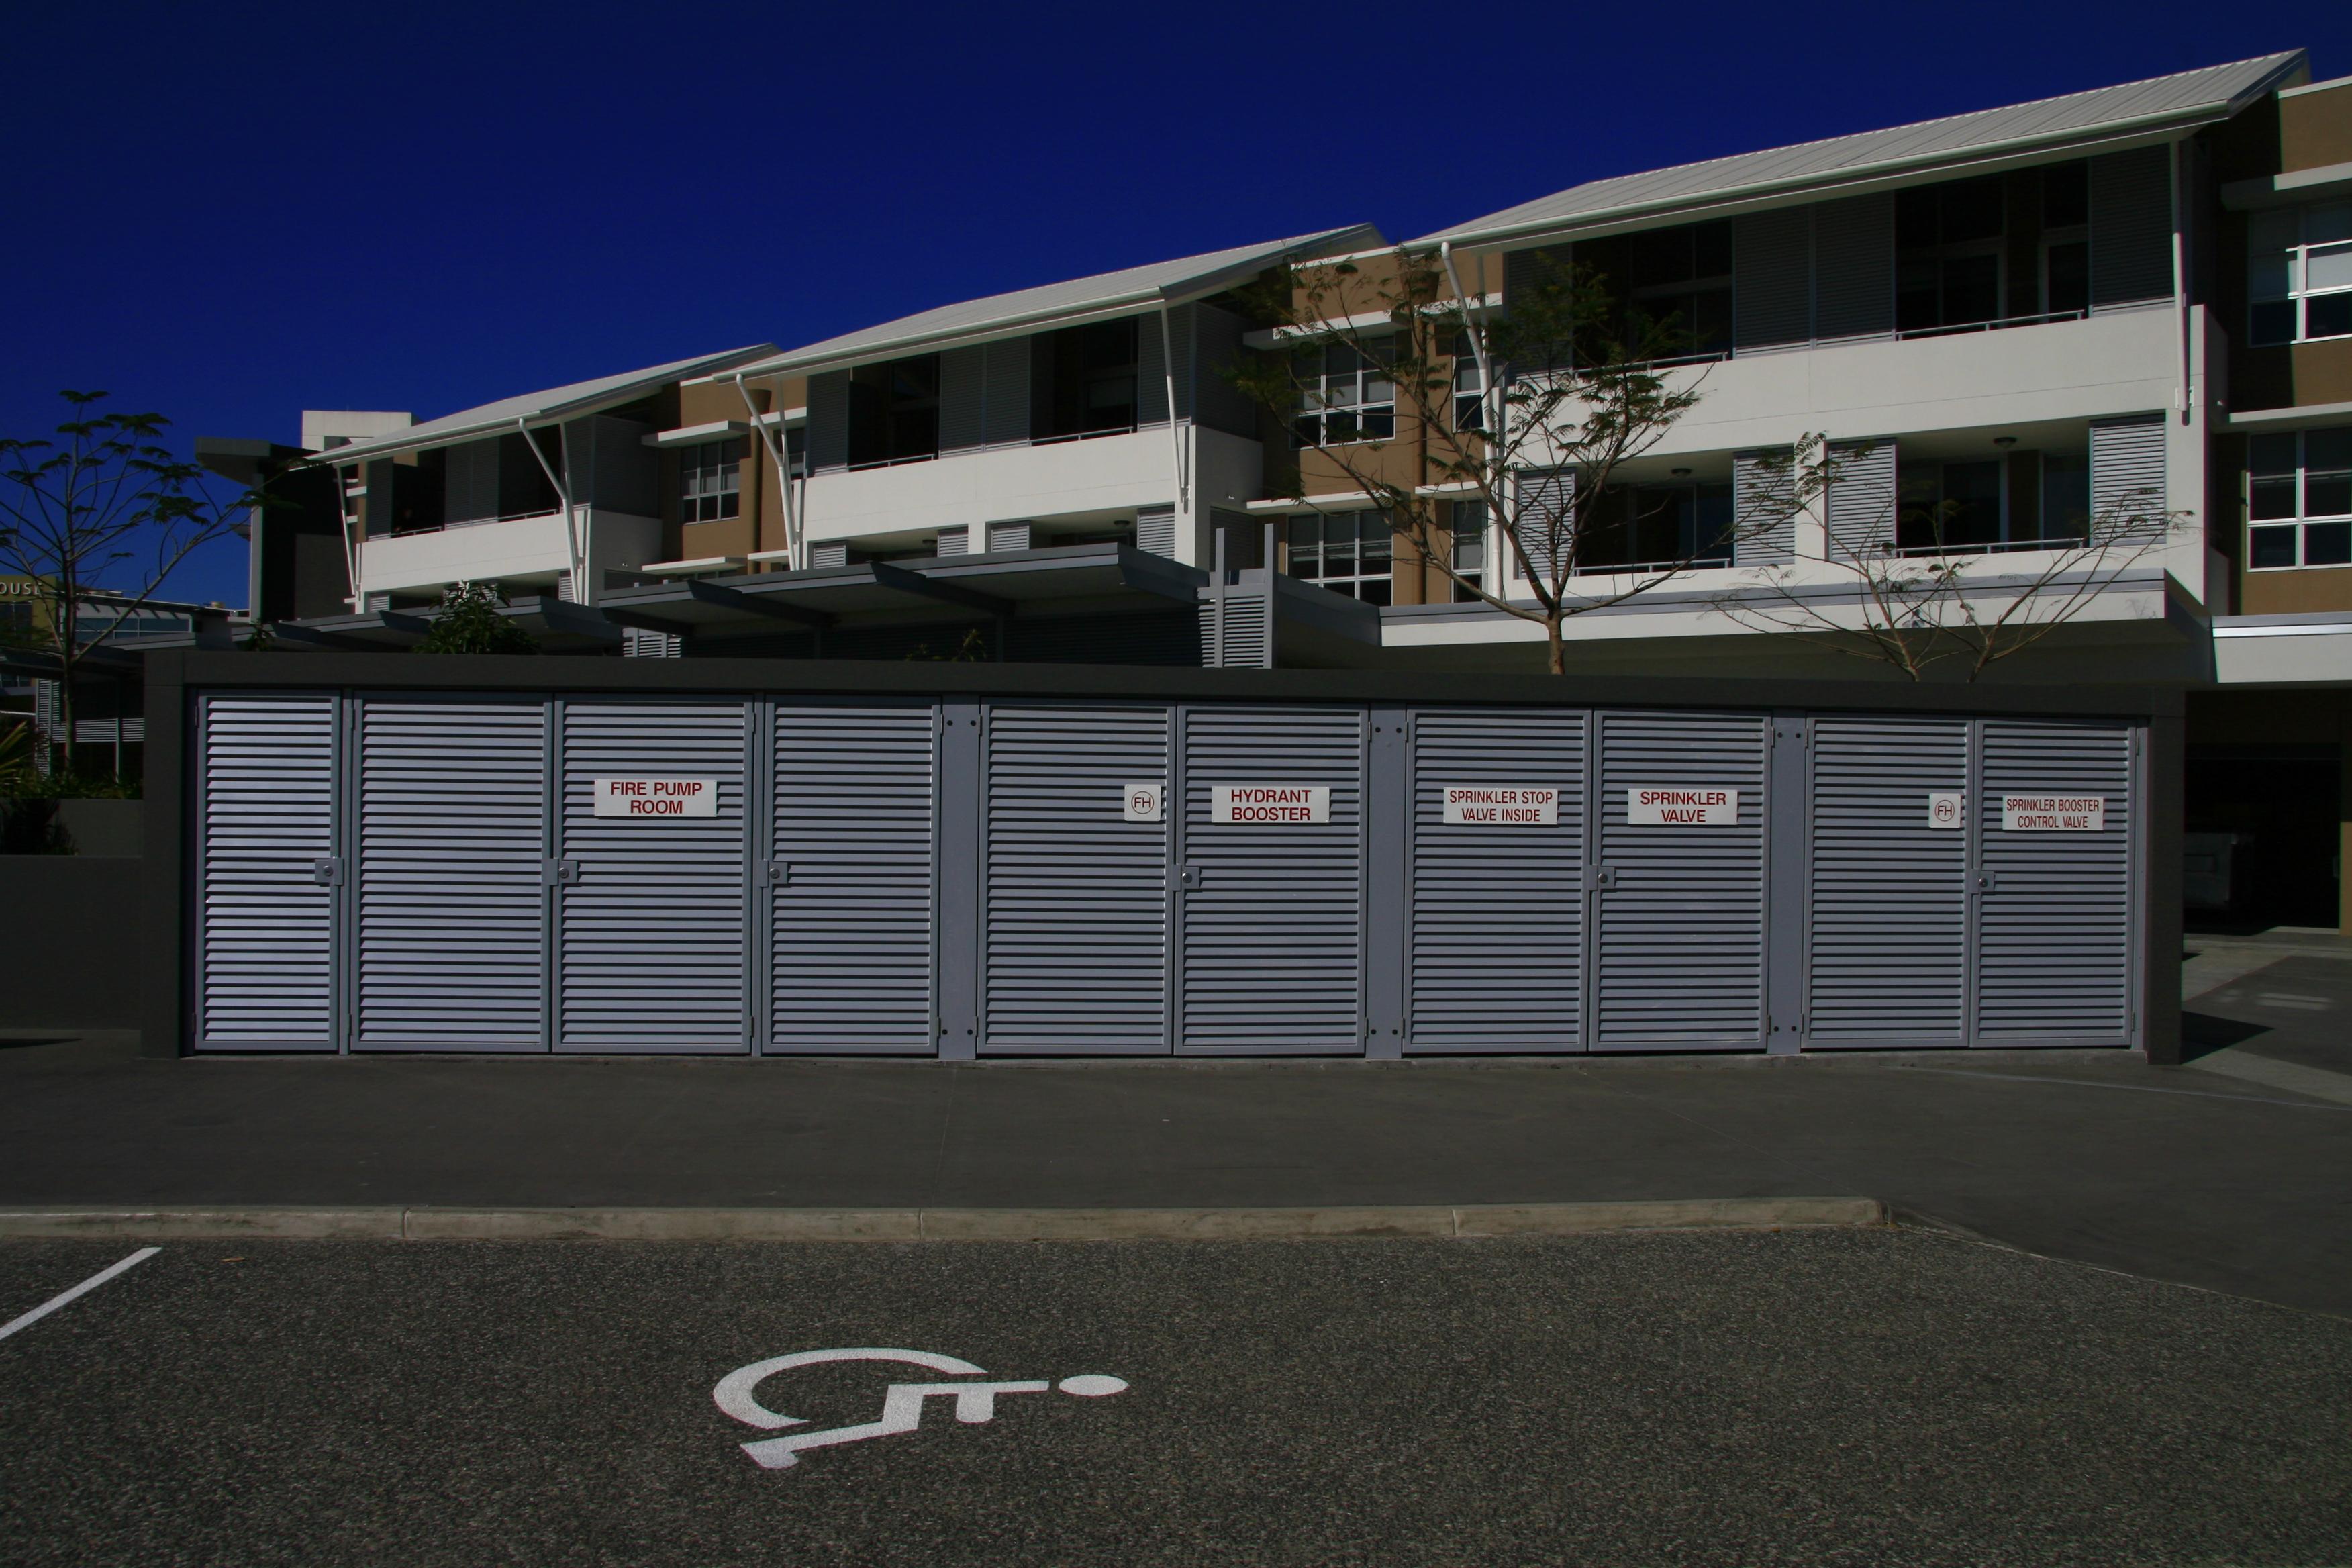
{"points": [[638, 643], [2131, 226], [651, 939], [1074, 933], [1495, 947], [1007, 418], [1773, 279], [1525, 270], [1155, 529], [1853, 267], [1860, 498], [963, 375], [1011, 535], [1151, 380], [1762, 494], [1132, 636], [1679, 943], [450, 845], [383, 600], [1237, 626], [2055, 925], [469, 482], [851, 933], [1889, 893], [833, 554], [1272, 939], [955, 542], [266, 772], [566, 589], [2127, 483], [1218, 349], [1547, 501], [828, 421]]}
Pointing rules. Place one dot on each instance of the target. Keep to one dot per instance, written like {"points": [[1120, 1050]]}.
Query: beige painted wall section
{"points": [[2296, 592], [2315, 129]]}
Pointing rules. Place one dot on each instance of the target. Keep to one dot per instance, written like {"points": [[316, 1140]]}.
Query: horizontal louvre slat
{"points": [[1074, 932], [264, 923], [1496, 946]]}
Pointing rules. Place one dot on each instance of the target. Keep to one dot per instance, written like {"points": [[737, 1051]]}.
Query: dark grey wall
{"points": [[68, 947]]}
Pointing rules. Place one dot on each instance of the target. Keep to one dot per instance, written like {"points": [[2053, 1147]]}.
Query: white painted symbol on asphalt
{"points": [[902, 1404], [84, 1289]]}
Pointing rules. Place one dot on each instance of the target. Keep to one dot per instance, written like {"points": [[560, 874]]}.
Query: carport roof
{"points": [[2159, 105], [1051, 304]]}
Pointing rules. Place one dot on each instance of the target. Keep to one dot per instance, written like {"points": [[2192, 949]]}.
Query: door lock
{"points": [[1189, 877], [776, 873], [1597, 877], [1987, 881], [559, 874], [327, 871]]}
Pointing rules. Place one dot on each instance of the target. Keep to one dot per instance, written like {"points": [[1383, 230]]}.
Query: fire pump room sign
{"points": [[657, 797]]}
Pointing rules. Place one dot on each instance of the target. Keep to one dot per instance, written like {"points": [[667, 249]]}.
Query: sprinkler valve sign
{"points": [[1269, 802], [2053, 814], [1682, 805], [1502, 806], [657, 797]]}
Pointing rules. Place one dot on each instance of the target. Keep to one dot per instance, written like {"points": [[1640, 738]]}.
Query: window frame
{"points": [[2304, 518], [2297, 295], [1351, 583], [716, 480], [1317, 406]]}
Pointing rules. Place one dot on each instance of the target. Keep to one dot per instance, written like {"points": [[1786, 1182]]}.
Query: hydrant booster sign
{"points": [[1269, 802], [657, 797]]}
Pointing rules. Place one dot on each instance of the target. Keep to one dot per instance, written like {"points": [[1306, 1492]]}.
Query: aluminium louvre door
{"points": [[1271, 931], [1679, 914], [1495, 943], [2054, 912], [1887, 898], [449, 850], [652, 927], [1075, 900], [851, 873], [266, 871]]}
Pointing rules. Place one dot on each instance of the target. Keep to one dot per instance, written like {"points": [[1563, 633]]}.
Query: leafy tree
{"points": [[467, 621], [1566, 387], [102, 509], [1901, 591]]}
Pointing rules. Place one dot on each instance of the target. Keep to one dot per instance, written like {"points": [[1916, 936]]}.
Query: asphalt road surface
{"points": [[1816, 1397]]}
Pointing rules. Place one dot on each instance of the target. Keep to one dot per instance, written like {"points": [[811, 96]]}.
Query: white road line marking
{"points": [[84, 1289]]}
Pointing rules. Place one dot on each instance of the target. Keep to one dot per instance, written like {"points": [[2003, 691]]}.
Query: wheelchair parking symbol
{"points": [[902, 1403]]}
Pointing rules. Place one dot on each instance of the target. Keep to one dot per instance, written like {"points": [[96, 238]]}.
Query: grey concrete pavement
{"points": [[1882, 1397], [2175, 1174]]}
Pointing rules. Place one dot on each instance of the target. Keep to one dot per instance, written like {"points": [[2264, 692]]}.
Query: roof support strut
{"points": [[795, 553], [581, 591]]}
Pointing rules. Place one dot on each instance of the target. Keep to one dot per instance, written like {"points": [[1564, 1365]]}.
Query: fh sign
{"points": [[657, 797]]}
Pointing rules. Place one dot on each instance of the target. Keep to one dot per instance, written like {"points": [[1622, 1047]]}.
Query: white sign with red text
{"points": [[1502, 806], [1269, 802], [1682, 805], [657, 797], [2053, 814]]}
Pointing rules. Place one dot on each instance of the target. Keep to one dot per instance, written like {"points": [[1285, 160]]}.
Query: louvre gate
{"points": [[850, 872], [1270, 939], [428, 872], [450, 901], [651, 916], [1886, 958], [1495, 948], [1075, 900]]}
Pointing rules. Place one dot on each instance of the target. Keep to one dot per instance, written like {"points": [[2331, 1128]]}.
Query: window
{"points": [[2014, 500], [1348, 552], [1467, 522], [710, 481], [1637, 526], [2299, 499], [894, 412], [1347, 399], [1469, 386], [1083, 381], [1947, 245], [2300, 274], [1681, 279], [2067, 239]]}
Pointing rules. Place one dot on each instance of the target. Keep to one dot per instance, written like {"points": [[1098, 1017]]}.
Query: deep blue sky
{"points": [[230, 213]]}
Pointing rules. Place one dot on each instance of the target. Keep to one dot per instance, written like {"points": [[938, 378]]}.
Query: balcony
{"points": [[1103, 473], [506, 549]]}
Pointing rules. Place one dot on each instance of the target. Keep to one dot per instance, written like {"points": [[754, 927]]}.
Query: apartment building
{"points": [[2138, 296]]}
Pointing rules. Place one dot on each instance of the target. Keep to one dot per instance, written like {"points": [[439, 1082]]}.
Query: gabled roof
{"points": [[1001, 315], [2164, 104], [538, 407]]}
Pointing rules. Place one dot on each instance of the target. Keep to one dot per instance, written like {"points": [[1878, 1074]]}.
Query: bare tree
{"points": [[1902, 590], [1522, 418], [102, 510]]}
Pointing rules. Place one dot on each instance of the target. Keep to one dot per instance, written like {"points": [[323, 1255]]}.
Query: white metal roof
{"points": [[2181, 101], [1000, 315], [538, 407]]}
